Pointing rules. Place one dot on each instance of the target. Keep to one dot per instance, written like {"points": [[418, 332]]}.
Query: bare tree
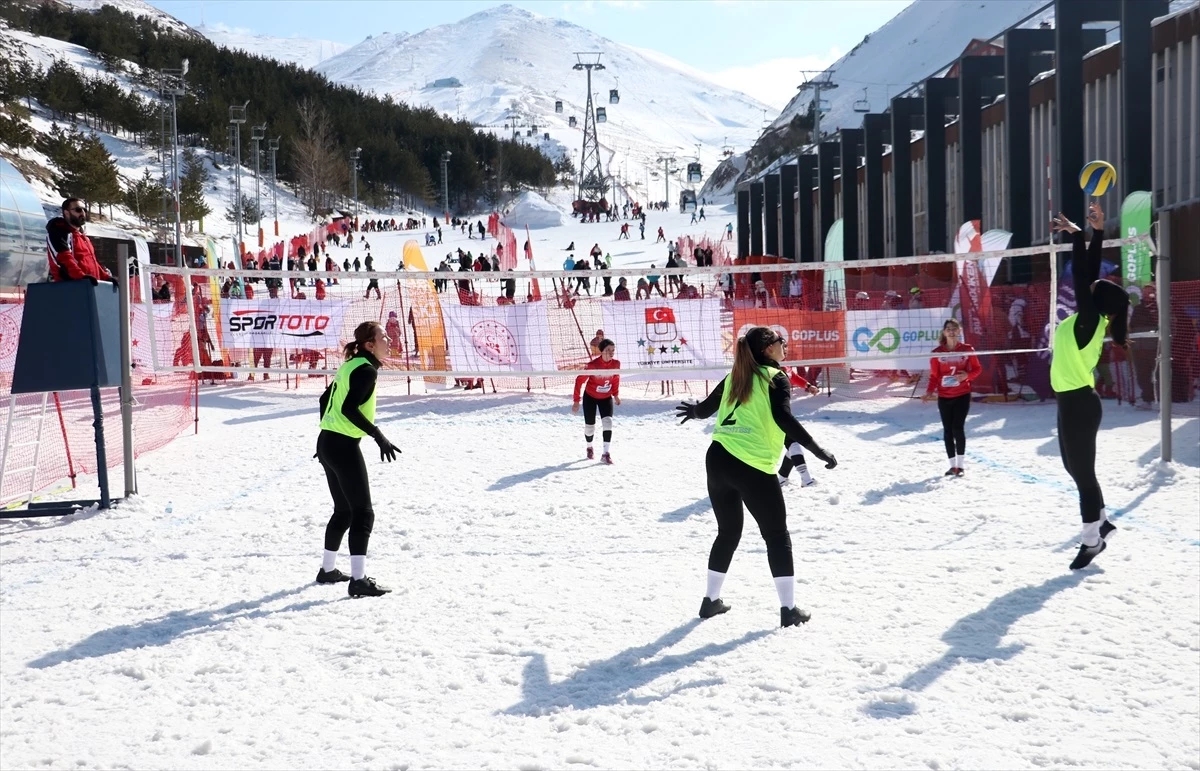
{"points": [[318, 170]]}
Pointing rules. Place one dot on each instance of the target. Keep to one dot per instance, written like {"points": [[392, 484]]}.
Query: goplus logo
{"points": [[888, 339], [287, 324], [798, 335]]}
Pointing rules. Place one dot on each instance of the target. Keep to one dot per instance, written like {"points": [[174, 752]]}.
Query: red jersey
{"points": [[946, 365], [599, 386], [796, 379]]}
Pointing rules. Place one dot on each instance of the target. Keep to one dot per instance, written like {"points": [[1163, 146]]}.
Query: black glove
{"points": [[685, 410], [826, 456], [93, 280], [113, 279], [387, 450]]}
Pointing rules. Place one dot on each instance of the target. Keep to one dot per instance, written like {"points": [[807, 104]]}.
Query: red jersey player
{"points": [[951, 371], [600, 393]]}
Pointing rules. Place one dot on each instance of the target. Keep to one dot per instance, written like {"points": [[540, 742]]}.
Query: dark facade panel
{"points": [[875, 135], [903, 111], [977, 78], [940, 100], [851, 140], [756, 218], [743, 222], [806, 166], [787, 211], [827, 165], [771, 214]]}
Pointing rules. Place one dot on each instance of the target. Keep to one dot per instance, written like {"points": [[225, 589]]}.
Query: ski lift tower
{"points": [[818, 82], [591, 173]]}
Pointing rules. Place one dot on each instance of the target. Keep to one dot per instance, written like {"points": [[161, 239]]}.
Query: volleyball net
{"points": [[882, 317]]}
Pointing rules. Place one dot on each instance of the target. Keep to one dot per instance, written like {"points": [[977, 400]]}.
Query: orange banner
{"points": [[810, 334], [426, 310]]}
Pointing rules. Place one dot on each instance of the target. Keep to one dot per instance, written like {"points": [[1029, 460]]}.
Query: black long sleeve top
{"points": [[1085, 268], [362, 384]]}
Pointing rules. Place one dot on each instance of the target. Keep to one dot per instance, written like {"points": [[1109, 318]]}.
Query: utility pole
{"points": [[667, 172], [273, 147], [257, 135], [354, 156], [818, 81], [172, 84], [591, 173], [445, 185], [237, 116]]}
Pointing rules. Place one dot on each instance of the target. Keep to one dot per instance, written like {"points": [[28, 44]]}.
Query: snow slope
{"points": [[303, 52], [508, 58], [544, 612]]}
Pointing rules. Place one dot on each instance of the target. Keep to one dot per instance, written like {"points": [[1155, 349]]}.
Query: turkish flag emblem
{"points": [[660, 325]]}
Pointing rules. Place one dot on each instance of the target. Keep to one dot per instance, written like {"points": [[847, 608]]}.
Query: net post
{"points": [[126, 371], [1052, 321], [191, 311], [1164, 332]]}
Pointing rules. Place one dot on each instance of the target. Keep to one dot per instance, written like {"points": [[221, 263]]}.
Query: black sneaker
{"points": [[366, 587], [793, 616], [1106, 529], [334, 576], [1087, 554], [710, 608], [950, 472]]}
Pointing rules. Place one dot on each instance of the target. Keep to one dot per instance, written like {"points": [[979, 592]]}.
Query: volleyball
{"points": [[1097, 177]]}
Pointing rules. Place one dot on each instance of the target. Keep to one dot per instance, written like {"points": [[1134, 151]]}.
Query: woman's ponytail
{"points": [[363, 333]]}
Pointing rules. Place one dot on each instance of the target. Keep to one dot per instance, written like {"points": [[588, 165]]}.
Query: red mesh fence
{"points": [[50, 448]]}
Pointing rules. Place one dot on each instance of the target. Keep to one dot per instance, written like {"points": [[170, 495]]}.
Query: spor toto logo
{"points": [[494, 342], [287, 324]]}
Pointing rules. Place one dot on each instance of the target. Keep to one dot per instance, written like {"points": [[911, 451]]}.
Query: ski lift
{"points": [[546, 136], [601, 115], [558, 105], [726, 150], [614, 96], [693, 173], [823, 105], [864, 104], [571, 121]]}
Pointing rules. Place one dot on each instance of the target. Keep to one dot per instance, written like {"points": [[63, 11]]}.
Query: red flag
{"points": [[976, 299], [660, 316]]}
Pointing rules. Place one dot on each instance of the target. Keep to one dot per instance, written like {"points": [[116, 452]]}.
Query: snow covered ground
{"points": [[545, 606]]}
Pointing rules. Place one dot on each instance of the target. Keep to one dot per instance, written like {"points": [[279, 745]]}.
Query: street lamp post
{"points": [[273, 147], [257, 135], [354, 156], [237, 116], [172, 84], [445, 185]]}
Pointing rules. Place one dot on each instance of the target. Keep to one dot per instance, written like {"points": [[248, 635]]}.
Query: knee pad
{"points": [[606, 424]]}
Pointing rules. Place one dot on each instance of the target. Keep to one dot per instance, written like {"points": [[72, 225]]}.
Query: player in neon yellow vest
{"points": [[347, 415], [1101, 306], [754, 420]]}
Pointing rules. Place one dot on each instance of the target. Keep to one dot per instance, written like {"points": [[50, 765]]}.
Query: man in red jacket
{"points": [[68, 250]]}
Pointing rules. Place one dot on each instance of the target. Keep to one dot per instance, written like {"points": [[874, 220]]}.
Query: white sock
{"points": [[786, 587], [328, 560], [715, 580], [1103, 515], [959, 461], [805, 477], [1091, 533], [358, 566], [606, 448]]}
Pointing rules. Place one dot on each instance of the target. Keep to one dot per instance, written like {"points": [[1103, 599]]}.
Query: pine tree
{"points": [[145, 198], [192, 206], [251, 214]]}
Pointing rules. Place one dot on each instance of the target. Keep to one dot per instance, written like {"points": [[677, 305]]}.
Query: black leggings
{"points": [[730, 484], [346, 473], [590, 405], [1079, 414], [954, 423]]}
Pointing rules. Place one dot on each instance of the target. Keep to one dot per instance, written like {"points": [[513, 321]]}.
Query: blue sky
{"points": [[762, 42]]}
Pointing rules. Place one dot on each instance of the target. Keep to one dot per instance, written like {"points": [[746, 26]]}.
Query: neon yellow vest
{"points": [[1071, 368], [748, 430], [333, 419]]}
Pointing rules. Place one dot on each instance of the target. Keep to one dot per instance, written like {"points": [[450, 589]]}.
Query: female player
{"points": [[1101, 306], [347, 415], [754, 418], [600, 393], [950, 376]]}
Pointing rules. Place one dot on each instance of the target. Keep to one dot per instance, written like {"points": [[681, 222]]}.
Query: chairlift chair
{"points": [[864, 104], [601, 115], [558, 105]]}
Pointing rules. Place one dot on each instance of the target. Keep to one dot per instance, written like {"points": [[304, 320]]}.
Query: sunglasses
{"points": [[78, 210]]}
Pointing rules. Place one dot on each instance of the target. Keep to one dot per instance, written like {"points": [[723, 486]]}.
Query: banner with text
{"points": [[280, 323], [501, 337], [668, 334], [893, 339], [810, 334]]}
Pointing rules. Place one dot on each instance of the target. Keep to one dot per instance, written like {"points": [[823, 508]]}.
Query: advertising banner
{"points": [[811, 335], [667, 334], [893, 339], [835, 278], [425, 314], [281, 323], [1135, 221], [502, 337]]}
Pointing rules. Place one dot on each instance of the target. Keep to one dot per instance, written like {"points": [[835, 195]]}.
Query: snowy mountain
{"points": [[137, 8], [303, 52], [509, 60]]}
